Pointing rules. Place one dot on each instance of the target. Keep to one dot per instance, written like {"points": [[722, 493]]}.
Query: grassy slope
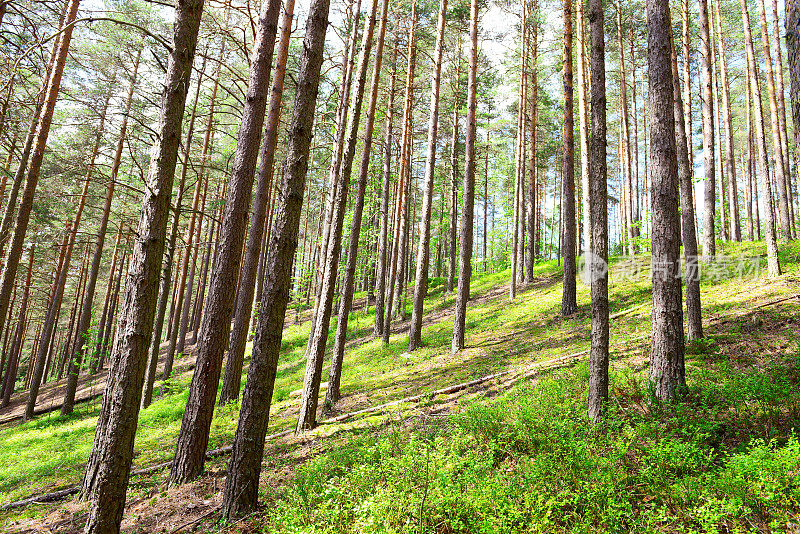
{"points": [[562, 474]]}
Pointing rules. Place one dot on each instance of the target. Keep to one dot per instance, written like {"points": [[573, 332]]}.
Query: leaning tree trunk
{"points": [[84, 322], [346, 303], [383, 236], [35, 163], [215, 329], [793, 55], [598, 209], [467, 214], [105, 319], [13, 355], [178, 301], [773, 264], [423, 252], [108, 468], [707, 108], [245, 293], [241, 485], [319, 336], [727, 113], [667, 371], [569, 304], [780, 178], [694, 316]]}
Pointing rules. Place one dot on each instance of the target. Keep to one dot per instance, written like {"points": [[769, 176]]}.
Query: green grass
{"points": [[757, 405]]}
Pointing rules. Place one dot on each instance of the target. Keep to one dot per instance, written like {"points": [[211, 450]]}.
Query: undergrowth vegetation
{"points": [[726, 459]]}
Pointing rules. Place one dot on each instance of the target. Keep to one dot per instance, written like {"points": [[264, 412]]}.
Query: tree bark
{"points": [[108, 468], [667, 372], [779, 166], [598, 353], [319, 337], [792, 22], [773, 264], [85, 319], [467, 213], [694, 316], [241, 485], [569, 304], [423, 252], [35, 163], [583, 128], [19, 333], [244, 298], [384, 245], [215, 329], [707, 109], [727, 113], [334, 375]]}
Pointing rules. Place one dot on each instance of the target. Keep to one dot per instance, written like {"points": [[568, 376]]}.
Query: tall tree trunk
{"points": [[792, 22], [694, 316], [423, 252], [730, 157], [667, 372], [707, 108], [598, 353], [395, 271], [569, 304], [773, 265], [531, 252], [105, 318], [383, 236], [241, 485], [13, 356], [108, 468], [780, 90], [244, 298], [334, 375], [319, 337], [177, 311], [215, 329], [84, 322], [35, 163], [779, 167], [626, 139], [451, 265], [467, 213], [583, 126]]}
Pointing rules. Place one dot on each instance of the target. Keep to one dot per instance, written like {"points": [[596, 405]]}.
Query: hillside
{"points": [[511, 452]]}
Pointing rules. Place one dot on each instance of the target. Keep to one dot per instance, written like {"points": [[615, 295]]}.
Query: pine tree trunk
{"points": [[707, 108], [730, 157], [598, 354], [532, 252], [346, 303], [105, 318], [694, 317], [241, 485], [383, 237], [569, 304], [315, 352], [793, 54], [451, 265], [467, 213], [244, 298], [35, 163], [779, 166], [19, 332], [773, 265], [108, 468], [215, 329], [780, 90], [84, 322], [423, 252], [177, 311]]}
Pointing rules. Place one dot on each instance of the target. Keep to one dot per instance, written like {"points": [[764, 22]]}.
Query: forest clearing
{"points": [[454, 266]]}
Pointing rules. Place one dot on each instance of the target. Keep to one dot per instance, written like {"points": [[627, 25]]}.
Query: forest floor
{"points": [[508, 454]]}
